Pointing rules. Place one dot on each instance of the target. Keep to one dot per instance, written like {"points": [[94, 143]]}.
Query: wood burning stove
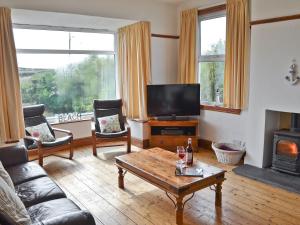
{"points": [[286, 148]]}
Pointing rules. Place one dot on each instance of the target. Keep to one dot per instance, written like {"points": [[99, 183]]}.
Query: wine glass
{"points": [[181, 153]]}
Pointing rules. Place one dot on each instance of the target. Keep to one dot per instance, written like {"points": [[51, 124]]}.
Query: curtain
{"points": [[11, 112], [237, 54], [188, 47], [134, 68]]}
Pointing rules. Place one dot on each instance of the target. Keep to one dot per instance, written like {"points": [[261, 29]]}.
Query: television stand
{"points": [[169, 134], [172, 118]]}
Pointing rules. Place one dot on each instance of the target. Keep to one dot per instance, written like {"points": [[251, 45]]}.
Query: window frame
{"points": [[66, 29], [206, 14], [88, 115], [210, 58]]}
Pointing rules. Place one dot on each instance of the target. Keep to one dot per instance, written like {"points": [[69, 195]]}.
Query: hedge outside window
{"points": [[65, 70]]}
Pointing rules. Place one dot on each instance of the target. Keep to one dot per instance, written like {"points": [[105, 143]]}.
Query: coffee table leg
{"points": [[121, 178], [179, 211], [218, 200]]}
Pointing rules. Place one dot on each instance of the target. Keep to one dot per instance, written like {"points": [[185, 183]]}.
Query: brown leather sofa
{"points": [[44, 200]]}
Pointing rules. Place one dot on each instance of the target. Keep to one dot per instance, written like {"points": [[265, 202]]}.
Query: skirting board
{"points": [[202, 143], [140, 143], [88, 141], [206, 144]]}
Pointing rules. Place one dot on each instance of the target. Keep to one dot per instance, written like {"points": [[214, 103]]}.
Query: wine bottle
{"points": [[189, 153]]}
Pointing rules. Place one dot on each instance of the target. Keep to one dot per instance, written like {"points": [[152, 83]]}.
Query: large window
{"points": [[211, 57], [65, 70]]}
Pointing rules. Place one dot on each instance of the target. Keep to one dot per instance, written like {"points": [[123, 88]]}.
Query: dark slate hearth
{"points": [[269, 176]]}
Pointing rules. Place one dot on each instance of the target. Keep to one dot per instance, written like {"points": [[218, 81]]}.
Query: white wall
{"points": [[163, 21], [273, 47], [164, 54], [222, 127]]}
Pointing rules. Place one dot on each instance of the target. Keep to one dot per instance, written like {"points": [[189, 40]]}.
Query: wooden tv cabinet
{"points": [[169, 134]]}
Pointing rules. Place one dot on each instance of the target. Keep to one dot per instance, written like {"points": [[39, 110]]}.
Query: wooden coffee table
{"points": [[157, 166]]}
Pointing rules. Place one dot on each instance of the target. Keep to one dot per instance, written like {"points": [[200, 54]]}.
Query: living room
{"points": [[69, 53]]}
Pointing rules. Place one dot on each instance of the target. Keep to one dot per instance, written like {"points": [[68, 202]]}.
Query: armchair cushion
{"points": [[42, 132], [112, 135], [107, 108], [33, 116], [58, 141], [109, 124]]}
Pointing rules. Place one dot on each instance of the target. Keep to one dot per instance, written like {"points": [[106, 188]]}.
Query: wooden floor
{"points": [[92, 184]]}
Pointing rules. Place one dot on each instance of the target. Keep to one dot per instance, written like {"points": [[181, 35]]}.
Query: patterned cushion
{"points": [[11, 206], [42, 132], [109, 124], [5, 176]]}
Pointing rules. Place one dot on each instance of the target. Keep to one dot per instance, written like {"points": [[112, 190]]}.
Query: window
{"points": [[211, 57], [65, 70]]}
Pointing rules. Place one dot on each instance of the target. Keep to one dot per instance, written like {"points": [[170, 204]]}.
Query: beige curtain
{"points": [[237, 54], [11, 112], [134, 68], [187, 47]]}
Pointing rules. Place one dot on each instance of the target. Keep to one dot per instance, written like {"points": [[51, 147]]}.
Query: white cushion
{"points": [[42, 132], [109, 124], [11, 206], [5, 176]]}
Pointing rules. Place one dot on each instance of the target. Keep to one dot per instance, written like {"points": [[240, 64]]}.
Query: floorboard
{"points": [[93, 184]]}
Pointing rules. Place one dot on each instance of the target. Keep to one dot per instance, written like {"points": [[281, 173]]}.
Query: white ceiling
{"points": [[171, 1], [31, 17]]}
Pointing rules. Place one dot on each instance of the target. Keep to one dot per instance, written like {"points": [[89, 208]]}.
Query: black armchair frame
{"points": [[107, 108], [33, 115]]}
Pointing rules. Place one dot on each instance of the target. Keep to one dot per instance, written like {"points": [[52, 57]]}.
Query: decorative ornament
{"points": [[293, 78]]}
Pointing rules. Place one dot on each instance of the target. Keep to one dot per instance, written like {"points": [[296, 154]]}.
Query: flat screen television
{"points": [[173, 100]]}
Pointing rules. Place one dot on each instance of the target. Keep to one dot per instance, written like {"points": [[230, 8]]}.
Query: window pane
{"points": [[41, 39], [92, 41], [211, 80], [66, 83], [213, 34]]}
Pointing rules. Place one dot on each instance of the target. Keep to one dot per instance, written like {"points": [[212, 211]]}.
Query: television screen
{"points": [[173, 99]]}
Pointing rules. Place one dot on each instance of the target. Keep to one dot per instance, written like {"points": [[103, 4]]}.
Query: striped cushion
{"points": [[11, 206]]}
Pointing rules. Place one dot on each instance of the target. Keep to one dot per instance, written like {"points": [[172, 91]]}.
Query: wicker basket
{"points": [[228, 156]]}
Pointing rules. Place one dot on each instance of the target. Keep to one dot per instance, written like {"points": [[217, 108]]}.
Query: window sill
{"points": [[74, 121], [220, 109]]}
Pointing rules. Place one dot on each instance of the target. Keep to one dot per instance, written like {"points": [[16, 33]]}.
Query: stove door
{"points": [[287, 148]]}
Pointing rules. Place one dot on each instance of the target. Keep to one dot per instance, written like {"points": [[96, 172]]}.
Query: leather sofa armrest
{"points": [[74, 218], [13, 155]]}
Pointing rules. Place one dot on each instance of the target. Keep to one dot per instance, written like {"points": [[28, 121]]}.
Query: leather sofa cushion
{"points": [[38, 190], [25, 172], [59, 212]]}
